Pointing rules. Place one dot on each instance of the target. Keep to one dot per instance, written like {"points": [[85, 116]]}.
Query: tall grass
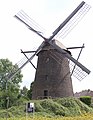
{"points": [[48, 109], [84, 117]]}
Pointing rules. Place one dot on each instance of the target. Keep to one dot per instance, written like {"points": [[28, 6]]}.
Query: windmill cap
{"points": [[59, 44], [47, 46]]}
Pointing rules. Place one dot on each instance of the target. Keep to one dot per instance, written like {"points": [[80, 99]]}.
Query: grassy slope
{"points": [[52, 107]]}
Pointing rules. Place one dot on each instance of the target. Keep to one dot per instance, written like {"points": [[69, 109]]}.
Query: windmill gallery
{"points": [[53, 73]]}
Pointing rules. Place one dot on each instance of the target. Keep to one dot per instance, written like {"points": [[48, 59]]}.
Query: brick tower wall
{"points": [[52, 75]]}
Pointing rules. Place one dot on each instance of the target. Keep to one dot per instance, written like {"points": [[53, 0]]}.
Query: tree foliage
{"points": [[29, 94], [9, 88]]}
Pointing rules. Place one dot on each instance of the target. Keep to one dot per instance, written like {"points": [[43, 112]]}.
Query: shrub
{"points": [[86, 100]]}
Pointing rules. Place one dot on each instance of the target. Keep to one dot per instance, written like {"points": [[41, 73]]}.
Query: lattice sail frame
{"points": [[73, 21], [29, 22], [78, 72]]}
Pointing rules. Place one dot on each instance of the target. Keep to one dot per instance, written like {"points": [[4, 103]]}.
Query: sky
{"points": [[49, 14]]}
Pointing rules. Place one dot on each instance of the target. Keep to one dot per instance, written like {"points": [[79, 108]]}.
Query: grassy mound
{"points": [[51, 107], [62, 106]]}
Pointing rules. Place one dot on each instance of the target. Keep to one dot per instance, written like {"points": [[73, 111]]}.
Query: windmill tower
{"points": [[53, 76]]}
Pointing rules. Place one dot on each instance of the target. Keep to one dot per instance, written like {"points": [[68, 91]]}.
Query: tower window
{"points": [[45, 93]]}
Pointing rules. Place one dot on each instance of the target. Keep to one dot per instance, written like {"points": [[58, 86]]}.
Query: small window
{"points": [[45, 93]]}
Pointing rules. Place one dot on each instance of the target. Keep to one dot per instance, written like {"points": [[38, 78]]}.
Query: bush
{"points": [[86, 100]]}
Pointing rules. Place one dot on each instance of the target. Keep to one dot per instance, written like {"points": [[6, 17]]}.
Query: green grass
{"points": [[50, 108], [85, 117]]}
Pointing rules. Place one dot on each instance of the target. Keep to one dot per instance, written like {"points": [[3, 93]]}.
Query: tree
{"points": [[9, 88], [24, 91], [29, 93]]}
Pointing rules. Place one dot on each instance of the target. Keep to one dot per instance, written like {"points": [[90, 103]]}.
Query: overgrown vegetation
{"points": [[63, 107], [86, 117]]}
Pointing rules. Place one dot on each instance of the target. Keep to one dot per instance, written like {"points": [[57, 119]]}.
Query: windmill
{"points": [[53, 76]]}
